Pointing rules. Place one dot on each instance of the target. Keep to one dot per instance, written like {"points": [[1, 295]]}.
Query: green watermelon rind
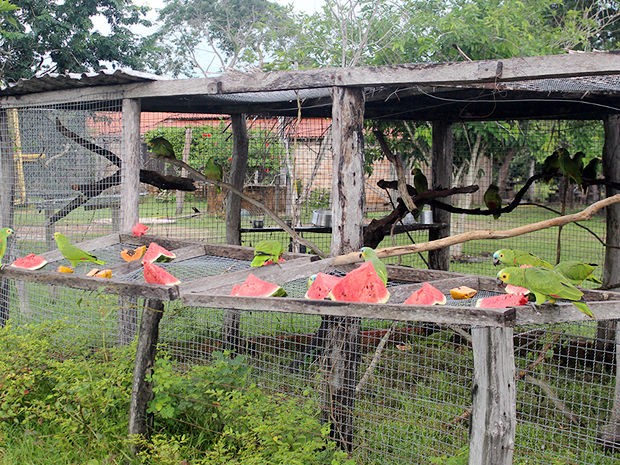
{"points": [[157, 253], [364, 285], [22, 262], [249, 288], [320, 287], [154, 274]]}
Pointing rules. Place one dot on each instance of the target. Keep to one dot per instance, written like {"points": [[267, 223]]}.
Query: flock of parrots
{"points": [[544, 281]]}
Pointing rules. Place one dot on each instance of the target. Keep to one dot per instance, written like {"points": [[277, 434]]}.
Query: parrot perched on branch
{"points": [[571, 166], [515, 257], [267, 252], [369, 255], [161, 147], [213, 171], [492, 199], [419, 181], [545, 285], [551, 166], [4, 235], [72, 253], [577, 272]]}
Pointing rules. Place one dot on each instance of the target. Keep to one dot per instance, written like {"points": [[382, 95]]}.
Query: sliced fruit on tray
{"points": [[64, 269], [256, 287], [426, 295], [157, 253], [502, 301], [512, 289], [133, 255], [139, 229], [30, 262], [154, 274], [462, 292], [360, 285], [320, 285]]}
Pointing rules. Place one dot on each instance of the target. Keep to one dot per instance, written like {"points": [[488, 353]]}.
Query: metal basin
{"points": [[322, 218]]}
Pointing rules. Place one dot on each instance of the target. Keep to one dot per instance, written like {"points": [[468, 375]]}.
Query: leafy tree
{"points": [[231, 34], [41, 36]]}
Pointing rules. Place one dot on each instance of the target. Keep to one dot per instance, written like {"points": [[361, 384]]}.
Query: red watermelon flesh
{"points": [[30, 262], [426, 295], [154, 274], [322, 284], [139, 229], [256, 287], [360, 285], [502, 301], [157, 253], [512, 289]]}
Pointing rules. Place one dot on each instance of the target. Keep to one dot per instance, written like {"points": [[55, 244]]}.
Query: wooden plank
{"points": [[131, 164], [238, 169], [141, 389], [494, 416], [442, 156], [404, 273], [110, 286], [564, 312]]}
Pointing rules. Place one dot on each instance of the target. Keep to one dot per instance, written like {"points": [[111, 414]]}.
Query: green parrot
{"points": [[545, 285], [267, 252], [551, 166], [419, 181], [492, 199], [213, 171], [4, 235], [161, 148], [590, 172], [577, 272], [515, 257], [571, 166], [72, 253], [369, 255]]}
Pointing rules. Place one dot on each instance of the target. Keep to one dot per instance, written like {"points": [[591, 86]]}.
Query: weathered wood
{"points": [[238, 169], [7, 192], [610, 433], [494, 413], [131, 164], [442, 156], [141, 389]]}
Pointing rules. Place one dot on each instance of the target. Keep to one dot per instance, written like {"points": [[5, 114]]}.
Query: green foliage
{"points": [[264, 151], [42, 36], [215, 409]]}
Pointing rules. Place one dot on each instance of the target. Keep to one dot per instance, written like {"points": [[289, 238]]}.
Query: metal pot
{"points": [[322, 218]]}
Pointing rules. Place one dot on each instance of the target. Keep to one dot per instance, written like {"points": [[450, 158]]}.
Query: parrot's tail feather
{"points": [[99, 262], [583, 308]]}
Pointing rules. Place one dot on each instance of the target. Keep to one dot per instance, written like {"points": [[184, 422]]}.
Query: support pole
{"points": [[608, 332], [341, 357], [442, 158], [142, 390], [7, 192], [130, 198], [494, 411]]}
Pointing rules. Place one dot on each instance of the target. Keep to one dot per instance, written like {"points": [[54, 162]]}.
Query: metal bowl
{"points": [[322, 218]]}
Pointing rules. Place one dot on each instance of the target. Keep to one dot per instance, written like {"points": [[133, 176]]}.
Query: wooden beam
{"points": [[131, 164], [238, 170]]}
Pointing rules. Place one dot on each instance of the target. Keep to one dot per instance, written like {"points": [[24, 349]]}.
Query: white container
{"points": [[426, 217], [322, 218]]}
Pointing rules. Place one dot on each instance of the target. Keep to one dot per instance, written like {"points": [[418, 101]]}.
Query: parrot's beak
{"points": [[495, 261], [500, 283]]}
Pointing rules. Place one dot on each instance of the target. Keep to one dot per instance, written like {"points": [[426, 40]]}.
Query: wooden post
{"points": [[130, 197], [180, 195], [494, 412], [610, 433], [443, 154], [231, 332], [141, 390], [7, 191], [341, 356]]}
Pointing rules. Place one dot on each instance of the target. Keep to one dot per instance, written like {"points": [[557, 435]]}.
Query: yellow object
{"points": [[93, 272], [462, 292], [64, 269], [133, 255], [104, 274]]}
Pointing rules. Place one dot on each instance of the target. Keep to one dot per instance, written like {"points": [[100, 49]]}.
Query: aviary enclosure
{"points": [[397, 383]]}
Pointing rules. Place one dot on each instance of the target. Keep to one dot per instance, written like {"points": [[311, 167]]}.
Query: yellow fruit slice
{"points": [[93, 272], [104, 274], [133, 255], [64, 269], [462, 292]]}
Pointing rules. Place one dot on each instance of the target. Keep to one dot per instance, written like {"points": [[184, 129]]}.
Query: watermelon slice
{"points": [[30, 262], [154, 274], [156, 253], [360, 285], [512, 289], [502, 301], [321, 285], [426, 295], [256, 287], [139, 229]]}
